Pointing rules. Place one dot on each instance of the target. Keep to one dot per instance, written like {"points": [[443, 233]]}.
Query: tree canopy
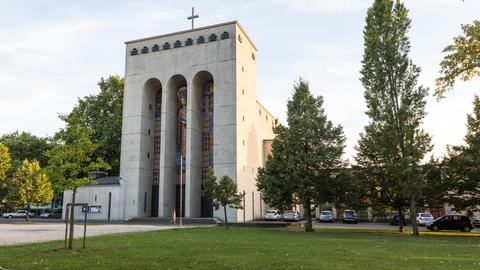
{"points": [[32, 185], [304, 155], [102, 113], [462, 60], [223, 192], [463, 166]]}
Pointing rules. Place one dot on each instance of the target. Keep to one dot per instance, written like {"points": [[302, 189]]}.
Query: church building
{"points": [[189, 105]]}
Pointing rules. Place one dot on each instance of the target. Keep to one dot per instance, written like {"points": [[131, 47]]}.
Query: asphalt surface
{"points": [[18, 233]]}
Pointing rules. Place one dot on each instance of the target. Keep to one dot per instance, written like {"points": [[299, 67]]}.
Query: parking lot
{"points": [[18, 233]]}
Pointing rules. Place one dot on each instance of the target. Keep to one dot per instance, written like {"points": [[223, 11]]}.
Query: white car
{"points": [[325, 216], [291, 216], [273, 215], [424, 218]]}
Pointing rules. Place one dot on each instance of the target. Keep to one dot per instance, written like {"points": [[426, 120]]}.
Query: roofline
{"points": [[263, 107], [195, 29]]}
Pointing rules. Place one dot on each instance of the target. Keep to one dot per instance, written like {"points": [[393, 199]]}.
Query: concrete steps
{"points": [[163, 220]]}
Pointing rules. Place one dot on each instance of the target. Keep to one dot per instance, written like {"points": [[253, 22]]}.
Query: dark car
{"points": [[451, 222], [56, 213], [395, 219], [349, 216]]}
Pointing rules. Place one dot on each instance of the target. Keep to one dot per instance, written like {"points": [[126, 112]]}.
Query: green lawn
{"points": [[252, 248]]}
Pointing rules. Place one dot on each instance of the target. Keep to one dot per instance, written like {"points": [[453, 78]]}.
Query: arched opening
{"points": [[175, 144], [202, 103], [151, 124]]}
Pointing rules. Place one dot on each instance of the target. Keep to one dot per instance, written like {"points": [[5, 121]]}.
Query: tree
{"points": [[26, 146], [71, 160], [103, 114], [304, 156], [462, 60], [5, 163], [395, 104], [463, 166], [223, 193], [32, 185]]}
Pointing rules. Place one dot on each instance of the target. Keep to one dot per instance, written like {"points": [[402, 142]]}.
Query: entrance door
{"points": [[154, 201], [177, 201]]}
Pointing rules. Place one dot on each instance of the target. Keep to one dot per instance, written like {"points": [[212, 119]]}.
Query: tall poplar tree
{"points": [[395, 104], [305, 154]]}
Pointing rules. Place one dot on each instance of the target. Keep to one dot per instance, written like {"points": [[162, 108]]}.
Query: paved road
{"points": [[40, 232]]}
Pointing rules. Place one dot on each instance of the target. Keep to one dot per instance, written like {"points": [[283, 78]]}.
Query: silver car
{"points": [[325, 216], [273, 215], [424, 218], [18, 214], [291, 216]]}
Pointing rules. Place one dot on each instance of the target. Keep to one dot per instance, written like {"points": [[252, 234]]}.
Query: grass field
{"points": [[252, 248]]}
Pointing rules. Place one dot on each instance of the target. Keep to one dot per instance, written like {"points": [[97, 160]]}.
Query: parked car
{"points": [[475, 221], [395, 219], [18, 214], [291, 216], [424, 218], [273, 215], [56, 213], [349, 216], [451, 222], [325, 216]]}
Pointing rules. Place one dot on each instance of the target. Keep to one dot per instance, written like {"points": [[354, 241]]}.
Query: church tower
{"points": [[190, 104]]}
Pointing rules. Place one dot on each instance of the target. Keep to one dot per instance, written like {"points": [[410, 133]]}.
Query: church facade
{"points": [[190, 105]]}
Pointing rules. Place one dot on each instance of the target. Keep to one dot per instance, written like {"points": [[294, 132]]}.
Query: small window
{"points": [[200, 40], [177, 44], [260, 111], [225, 35], [253, 56], [243, 70], [243, 118], [240, 38], [166, 46], [155, 48], [189, 42], [243, 91], [148, 155], [212, 37], [134, 52], [144, 49]]}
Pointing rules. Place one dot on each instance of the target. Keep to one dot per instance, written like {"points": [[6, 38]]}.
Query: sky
{"points": [[53, 52]]}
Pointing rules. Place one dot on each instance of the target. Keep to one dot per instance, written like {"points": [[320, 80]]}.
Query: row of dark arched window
{"points": [[178, 43]]}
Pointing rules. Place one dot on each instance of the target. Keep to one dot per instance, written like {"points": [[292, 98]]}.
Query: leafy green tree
{"points": [[304, 156], [5, 163], [223, 193], [273, 180], [103, 114], [395, 104], [32, 185], [462, 60], [463, 166], [27, 146], [71, 160]]}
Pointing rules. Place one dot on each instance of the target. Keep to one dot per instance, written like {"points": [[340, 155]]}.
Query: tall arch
{"points": [[175, 125], [150, 125], [202, 138]]}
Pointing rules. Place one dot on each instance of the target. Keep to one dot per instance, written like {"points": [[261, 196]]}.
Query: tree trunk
{"points": [[225, 212], [413, 215], [27, 217], [308, 216], [401, 219], [72, 220]]}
